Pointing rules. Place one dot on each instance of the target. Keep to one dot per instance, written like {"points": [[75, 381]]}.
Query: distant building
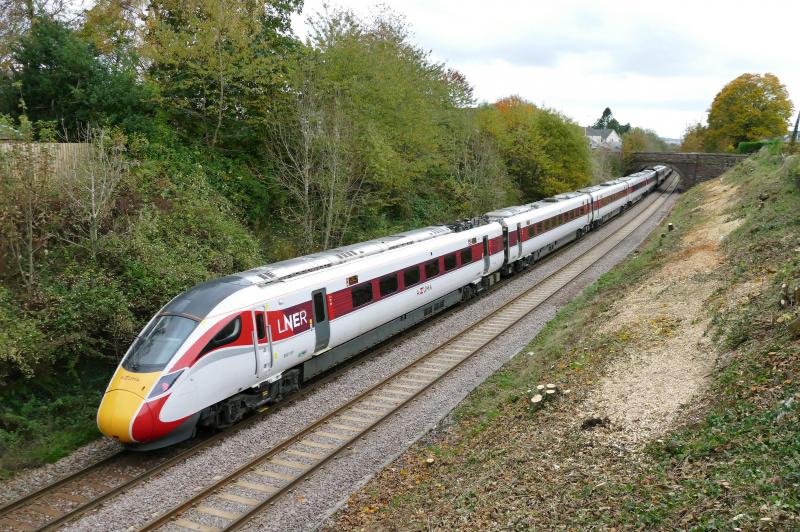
{"points": [[603, 138]]}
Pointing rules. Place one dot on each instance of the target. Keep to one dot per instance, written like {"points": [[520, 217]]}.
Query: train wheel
{"points": [[467, 293]]}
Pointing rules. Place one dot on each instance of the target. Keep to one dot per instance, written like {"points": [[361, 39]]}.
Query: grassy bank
{"points": [[729, 460]]}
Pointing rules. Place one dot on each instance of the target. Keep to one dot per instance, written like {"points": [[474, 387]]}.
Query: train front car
{"points": [[134, 409]]}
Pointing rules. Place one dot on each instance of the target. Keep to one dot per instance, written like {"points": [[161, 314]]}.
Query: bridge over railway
{"points": [[692, 167]]}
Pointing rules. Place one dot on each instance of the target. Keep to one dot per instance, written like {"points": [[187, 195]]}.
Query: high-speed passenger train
{"points": [[229, 346]]}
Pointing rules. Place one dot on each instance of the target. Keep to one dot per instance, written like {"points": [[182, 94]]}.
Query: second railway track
{"points": [[233, 501]]}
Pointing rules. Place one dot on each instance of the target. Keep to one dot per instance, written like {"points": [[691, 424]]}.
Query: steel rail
{"points": [[293, 459], [40, 494]]}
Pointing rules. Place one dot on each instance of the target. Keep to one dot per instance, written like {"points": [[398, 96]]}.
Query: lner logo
{"points": [[290, 321]]}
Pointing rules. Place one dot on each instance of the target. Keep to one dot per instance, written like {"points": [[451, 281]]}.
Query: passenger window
{"points": [[362, 294], [319, 307], [411, 276], [388, 285], [226, 335], [432, 269], [449, 261], [466, 256], [261, 329]]}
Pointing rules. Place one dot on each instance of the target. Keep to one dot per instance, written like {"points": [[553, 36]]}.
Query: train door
{"points": [[519, 240], [486, 257], [321, 324], [506, 258], [262, 343]]}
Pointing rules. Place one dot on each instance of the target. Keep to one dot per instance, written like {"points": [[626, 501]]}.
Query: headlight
{"points": [[164, 384]]}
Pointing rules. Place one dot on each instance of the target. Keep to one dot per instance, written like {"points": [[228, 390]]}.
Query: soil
{"points": [[549, 470], [668, 357]]}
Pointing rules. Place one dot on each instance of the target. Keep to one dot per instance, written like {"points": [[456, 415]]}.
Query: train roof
{"points": [[199, 301], [286, 269], [521, 209]]}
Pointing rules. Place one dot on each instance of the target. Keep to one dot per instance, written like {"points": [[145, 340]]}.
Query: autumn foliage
{"points": [[544, 151], [752, 107]]}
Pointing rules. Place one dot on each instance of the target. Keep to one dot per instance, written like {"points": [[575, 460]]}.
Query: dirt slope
{"points": [[667, 359]]}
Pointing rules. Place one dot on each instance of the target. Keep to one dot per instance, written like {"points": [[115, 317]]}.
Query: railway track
{"points": [[71, 496], [233, 501], [68, 498]]}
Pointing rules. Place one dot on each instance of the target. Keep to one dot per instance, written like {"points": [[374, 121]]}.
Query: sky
{"points": [[657, 65]]}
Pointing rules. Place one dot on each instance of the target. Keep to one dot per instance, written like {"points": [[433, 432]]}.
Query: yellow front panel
{"points": [[138, 383], [122, 401]]}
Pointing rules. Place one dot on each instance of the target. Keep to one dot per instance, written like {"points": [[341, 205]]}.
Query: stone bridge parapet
{"points": [[692, 167]]}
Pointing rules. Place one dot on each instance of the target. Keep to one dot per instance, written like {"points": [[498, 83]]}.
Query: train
{"points": [[231, 346]]}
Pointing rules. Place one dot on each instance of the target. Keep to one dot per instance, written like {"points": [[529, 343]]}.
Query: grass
{"points": [[734, 463], [741, 463]]}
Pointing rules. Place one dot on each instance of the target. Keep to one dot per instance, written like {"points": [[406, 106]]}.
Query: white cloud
{"points": [[657, 65]]}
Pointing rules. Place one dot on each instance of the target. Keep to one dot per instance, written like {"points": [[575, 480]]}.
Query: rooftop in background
{"points": [[602, 133], [603, 138]]}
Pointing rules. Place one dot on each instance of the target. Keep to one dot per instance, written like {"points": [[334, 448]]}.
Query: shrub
{"points": [[754, 146], [20, 340], [85, 314]]}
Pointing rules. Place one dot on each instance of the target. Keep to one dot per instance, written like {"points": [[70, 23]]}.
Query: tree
{"points": [[749, 108], [220, 67], [607, 121], [92, 182], [694, 138], [316, 167], [18, 16], [639, 139], [26, 203], [62, 78], [543, 151], [111, 27], [402, 107], [478, 178]]}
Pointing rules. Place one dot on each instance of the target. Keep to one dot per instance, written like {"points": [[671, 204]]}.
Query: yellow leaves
{"points": [[751, 107], [693, 138]]}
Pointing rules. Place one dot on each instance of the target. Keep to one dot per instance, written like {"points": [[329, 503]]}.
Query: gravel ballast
{"points": [[328, 489]]}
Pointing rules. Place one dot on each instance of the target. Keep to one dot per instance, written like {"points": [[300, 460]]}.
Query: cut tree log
{"points": [[536, 401]]}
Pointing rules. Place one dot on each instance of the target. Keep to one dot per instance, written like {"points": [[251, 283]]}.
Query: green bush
{"points": [[45, 419], [85, 314], [20, 340], [754, 146]]}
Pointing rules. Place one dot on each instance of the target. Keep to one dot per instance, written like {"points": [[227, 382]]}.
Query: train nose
{"points": [[117, 412]]}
